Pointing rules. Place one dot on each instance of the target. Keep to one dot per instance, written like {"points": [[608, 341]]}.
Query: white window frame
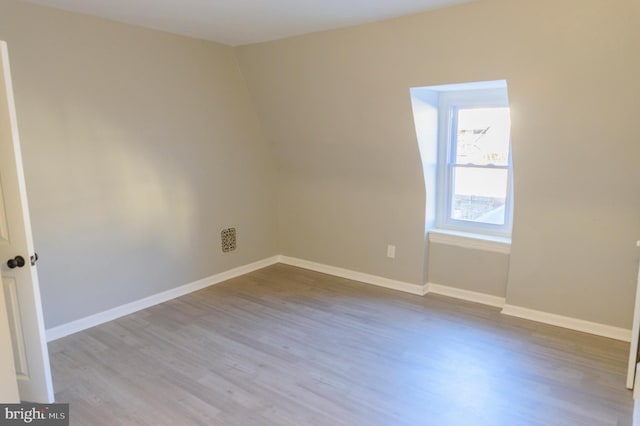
{"points": [[449, 103]]}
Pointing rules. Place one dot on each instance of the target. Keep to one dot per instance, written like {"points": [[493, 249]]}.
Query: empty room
{"points": [[277, 212]]}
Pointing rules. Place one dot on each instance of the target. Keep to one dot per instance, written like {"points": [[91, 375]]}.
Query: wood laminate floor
{"points": [[287, 346]]}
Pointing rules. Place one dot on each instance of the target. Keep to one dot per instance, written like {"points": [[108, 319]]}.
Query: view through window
{"points": [[480, 165]]}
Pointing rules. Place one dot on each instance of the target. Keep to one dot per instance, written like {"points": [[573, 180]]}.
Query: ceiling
{"points": [[238, 22]]}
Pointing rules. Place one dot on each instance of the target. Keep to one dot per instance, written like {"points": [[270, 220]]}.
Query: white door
{"points": [[19, 277], [8, 381]]}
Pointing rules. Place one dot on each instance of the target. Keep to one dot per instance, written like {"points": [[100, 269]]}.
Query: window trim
{"points": [[449, 102]]}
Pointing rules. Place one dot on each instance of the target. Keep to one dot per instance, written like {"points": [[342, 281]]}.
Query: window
{"points": [[474, 162], [464, 133]]}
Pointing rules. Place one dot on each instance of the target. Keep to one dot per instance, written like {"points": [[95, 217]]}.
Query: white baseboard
{"points": [[531, 314], [471, 296], [129, 308], [486, 299], [568, 322], [418, 289]]}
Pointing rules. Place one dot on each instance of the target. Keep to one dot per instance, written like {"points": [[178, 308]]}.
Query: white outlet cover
{"points": [[391, 251]]}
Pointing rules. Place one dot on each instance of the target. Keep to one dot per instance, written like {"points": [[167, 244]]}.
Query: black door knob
{"points": [[18, 261]]}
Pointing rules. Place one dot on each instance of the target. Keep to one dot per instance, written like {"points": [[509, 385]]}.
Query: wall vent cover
{"points": [[228, 240]]}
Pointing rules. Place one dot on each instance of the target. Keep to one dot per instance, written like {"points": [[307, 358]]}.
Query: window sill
{"points": [[470, 241]]}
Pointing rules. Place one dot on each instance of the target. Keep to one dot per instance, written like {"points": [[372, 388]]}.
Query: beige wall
{"points": [[480, 271], [336, 107], [139, 147], [348, 223]]}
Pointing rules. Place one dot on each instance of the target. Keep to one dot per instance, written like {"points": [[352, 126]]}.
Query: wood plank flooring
{"points": [[287, 346]]}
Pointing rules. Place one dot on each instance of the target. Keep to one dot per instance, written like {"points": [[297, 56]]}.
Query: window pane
{"points": [[479, 195], [483, 136]]}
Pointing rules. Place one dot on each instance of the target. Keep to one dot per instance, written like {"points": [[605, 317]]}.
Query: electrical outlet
{"points": [[391, 251]]}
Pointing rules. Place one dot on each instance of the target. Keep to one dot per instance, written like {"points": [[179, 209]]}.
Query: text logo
{"points": [[34, 414]]}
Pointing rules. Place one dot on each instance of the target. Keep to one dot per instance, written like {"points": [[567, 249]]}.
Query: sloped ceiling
{"points": [[239, 22]]}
